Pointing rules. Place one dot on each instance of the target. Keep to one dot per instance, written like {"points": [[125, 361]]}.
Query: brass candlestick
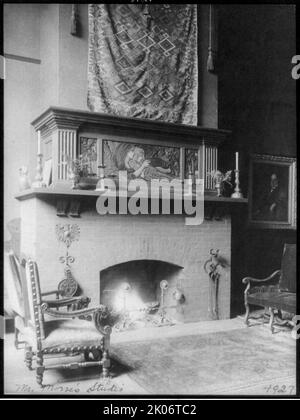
{"points": [[100, 184], [38, 180], [188, 187], [237, 192]]}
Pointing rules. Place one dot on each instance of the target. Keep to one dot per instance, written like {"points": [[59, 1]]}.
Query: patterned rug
{"points": [[217, 363]]}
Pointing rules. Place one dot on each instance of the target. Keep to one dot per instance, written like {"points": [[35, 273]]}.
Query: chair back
{"points": [[13, 285], [34, 297], [288, 269]]}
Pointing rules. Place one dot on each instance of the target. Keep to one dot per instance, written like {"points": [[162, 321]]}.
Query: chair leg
{"points": [[272, 316], [105, 364], [16, 342], [28, 357], [246, 320], [40, 368]]}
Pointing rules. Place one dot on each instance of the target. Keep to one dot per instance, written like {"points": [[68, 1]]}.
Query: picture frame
{"points": [[272, 192]]}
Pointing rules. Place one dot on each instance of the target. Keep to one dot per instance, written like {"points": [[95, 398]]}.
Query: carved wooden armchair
{"points": [[66, 333], [64, 295], [14, 305], [276, 292]]}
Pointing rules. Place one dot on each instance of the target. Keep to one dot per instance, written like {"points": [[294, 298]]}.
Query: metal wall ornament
{"points": [[67, 234]]}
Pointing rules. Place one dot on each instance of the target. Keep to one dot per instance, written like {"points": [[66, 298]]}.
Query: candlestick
{"points": [[100, 184], [38, 180], [100, 151], [39, 142], [236, 161], [188, 187], [237, 192]]}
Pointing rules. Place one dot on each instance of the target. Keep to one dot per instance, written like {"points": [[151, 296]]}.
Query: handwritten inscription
{"points": [[281, 389], [96, 387]]}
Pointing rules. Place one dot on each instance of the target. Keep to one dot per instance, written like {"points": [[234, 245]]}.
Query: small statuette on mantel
{"points": [[222, 182], [38, 180], [24, 183]]}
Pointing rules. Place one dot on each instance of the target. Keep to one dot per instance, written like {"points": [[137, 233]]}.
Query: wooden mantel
{"points": [[63, 192], [57, 117], [70, 202]]}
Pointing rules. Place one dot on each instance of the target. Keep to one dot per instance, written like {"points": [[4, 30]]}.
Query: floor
{"points": [[19, 380]]}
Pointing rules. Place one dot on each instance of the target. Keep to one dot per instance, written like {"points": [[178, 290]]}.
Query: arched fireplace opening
{"points": [[143, 293]]}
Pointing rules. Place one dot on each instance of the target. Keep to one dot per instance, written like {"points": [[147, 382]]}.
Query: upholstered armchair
{"points": [[53, 333], [276, 292]]}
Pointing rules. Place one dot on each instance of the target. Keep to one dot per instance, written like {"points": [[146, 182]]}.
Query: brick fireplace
{"points": [[107, 241], [141, 250]]}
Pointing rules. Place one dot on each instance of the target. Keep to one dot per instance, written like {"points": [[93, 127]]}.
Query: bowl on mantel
{"points": [[87, 183]]}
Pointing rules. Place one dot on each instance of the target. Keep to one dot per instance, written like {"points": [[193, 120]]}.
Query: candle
{"points": [[39, 142], [100, 151], [236, 161]]}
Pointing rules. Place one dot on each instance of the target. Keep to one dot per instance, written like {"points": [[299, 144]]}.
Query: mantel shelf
{"points": [[76, 194]]}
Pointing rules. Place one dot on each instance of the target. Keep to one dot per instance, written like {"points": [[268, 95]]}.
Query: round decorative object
{"points": [[67, 287], [44, 306], [87, 183], [178, 295], [164, 284]]}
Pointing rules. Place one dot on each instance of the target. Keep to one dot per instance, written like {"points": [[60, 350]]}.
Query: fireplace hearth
{"points": [[142, 293]]}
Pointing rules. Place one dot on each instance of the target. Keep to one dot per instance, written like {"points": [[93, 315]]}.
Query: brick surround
{"points": [[113, 239]]}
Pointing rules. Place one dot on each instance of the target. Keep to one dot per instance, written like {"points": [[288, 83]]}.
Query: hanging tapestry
{"points": [[143, 61]]}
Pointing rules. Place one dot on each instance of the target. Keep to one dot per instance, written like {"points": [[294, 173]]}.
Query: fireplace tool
{"points": [[158, 308], [177, 295], [125, 322], [164, 285], [211, 267]]}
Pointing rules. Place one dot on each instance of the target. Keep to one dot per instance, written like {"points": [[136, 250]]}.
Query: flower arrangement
{"points": [[221, 180], [79, 166], [79, 170]]}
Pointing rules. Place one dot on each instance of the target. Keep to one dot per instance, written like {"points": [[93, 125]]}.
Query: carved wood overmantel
{"points": [[62, 130]]}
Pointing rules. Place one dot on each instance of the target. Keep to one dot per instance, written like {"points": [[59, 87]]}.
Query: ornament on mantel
{"points": [[24, 182], [222, 180]]}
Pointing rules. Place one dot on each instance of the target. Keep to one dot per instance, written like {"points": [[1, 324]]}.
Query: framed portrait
{"points": [[272, 192]]}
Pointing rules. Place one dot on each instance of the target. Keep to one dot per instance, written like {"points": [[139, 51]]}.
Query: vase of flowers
{"points": [[79, 172], [221, 180]]}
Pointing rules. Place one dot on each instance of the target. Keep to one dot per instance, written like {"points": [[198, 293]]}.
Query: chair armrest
{"points": [[81, 301], [52, 292], [249, 280], [100, 316]]}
